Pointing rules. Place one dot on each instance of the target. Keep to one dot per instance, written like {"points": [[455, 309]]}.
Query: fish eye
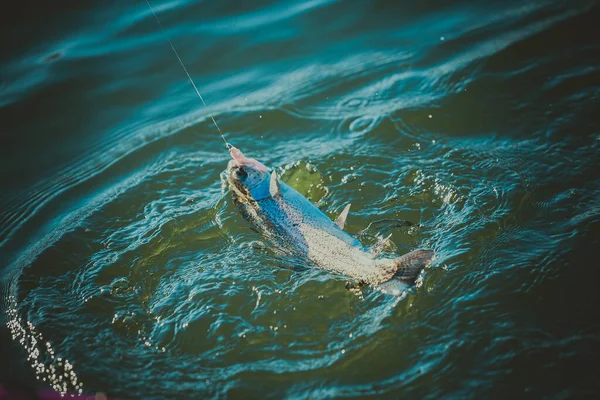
{"points": [[241, 173]]}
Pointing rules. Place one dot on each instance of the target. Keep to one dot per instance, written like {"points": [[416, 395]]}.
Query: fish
{"points": [[296, 227]]}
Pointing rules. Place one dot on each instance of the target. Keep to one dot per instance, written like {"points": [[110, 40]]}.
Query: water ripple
{"points": [[124, 254]]}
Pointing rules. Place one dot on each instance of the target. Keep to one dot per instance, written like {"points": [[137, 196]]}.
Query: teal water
{"points": [[125, 268]]}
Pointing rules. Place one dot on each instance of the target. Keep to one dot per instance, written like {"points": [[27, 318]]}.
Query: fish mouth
{"points": [[231, 166]]}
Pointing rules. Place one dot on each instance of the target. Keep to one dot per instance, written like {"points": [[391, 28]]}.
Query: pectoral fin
{"points": [[273, 185], [341, 220], [383, 244], [384, 227]]}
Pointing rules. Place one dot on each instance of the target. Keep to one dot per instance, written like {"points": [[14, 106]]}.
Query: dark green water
{"points": [[126, 269]]}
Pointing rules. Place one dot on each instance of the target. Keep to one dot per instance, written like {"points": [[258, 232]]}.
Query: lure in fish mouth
{"points": [[297, 227]]}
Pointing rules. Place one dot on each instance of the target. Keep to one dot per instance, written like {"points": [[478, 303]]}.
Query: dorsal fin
{"points": [[341, 220], [273, 185]]}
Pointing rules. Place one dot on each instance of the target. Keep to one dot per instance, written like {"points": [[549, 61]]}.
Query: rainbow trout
{"points": [[297, 227]]}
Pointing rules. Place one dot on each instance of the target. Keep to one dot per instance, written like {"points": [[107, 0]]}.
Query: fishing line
{"points": [[227, 144]]}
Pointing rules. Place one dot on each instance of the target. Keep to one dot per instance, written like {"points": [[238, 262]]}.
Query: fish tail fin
{"points": [[411, 264], [407, 269]]}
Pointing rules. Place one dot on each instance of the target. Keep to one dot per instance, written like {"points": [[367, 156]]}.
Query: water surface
{"points": [[125, 268]]}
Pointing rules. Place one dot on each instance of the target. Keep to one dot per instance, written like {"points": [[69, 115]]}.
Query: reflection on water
{"points": [[57, 372], [126, 269]]}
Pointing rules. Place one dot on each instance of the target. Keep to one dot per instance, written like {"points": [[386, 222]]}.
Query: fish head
{"points": [[247, 177]]}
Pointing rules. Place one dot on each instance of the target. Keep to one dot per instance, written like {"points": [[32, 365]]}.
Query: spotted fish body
{"points": [[297, 227]]}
